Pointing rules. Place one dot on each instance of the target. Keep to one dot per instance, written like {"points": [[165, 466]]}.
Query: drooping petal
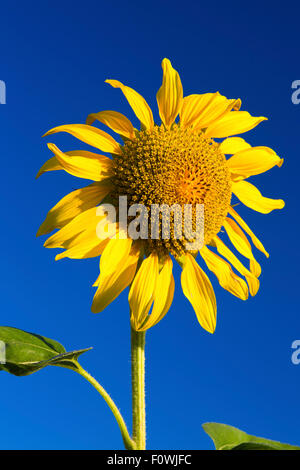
{"points": [[249, 195], [163, 296], [72, 205], [115, 251], [253, 284], [233, 145], [81, 239], [85, 245], [256, 242], [86, 221], [139, 105], [112, 282], [238, 238], [142, 290], [170, 95], [50, 165], [233, 123], [255, 267], [115, 121], [200, 111], [83, 164], [252, 162], [226, 277], [90, 135], [252, 281], [197, 288]]}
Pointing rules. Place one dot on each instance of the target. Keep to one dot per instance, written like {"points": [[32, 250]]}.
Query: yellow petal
{"points": [[50, 165], [85, 245], [252, 162], [252, 281], [194, 106], [233, 123], [137, 103], [83, 164], [227, 253], [238, 238], [255, 267], [86, 221], [249, 195], [202, 110], [115, 121], [115, 252], [197, 288], [91, 136], [253, 284], [226, 277], [170, 95], [72, 205], [142, 290], [163, 296], [233, 145], [256, 242], [112, 283]]}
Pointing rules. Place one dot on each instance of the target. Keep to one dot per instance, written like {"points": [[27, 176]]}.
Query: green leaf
{"points": [[229, 438], [26, 353]]}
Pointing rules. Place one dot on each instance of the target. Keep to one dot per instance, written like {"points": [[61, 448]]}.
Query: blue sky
{"points": [[55, 57]]}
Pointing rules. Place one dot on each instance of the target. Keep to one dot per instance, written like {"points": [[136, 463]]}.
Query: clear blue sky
{"points": [[55, 57]]}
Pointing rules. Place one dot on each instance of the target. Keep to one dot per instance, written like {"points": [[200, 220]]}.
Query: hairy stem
{"points": [[138, 388]]}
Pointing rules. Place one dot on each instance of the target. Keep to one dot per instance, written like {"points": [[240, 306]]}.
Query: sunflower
{"points": [[194, 159]]}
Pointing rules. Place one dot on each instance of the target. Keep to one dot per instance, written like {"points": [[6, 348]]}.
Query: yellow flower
{"points": [[171, 163]]}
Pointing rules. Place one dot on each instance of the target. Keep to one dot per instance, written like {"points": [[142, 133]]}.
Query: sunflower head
{"points": [[178, 163], [174, 166]]}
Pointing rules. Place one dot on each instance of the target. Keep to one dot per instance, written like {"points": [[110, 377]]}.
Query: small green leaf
{"points": [[26, 353], [230, 438]]}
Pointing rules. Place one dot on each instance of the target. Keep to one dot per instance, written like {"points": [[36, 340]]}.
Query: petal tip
{"points": [[51, 131], [165, 61], [93, 310], [51, 146], [211, 329], [39, 232], [237, 104], [112, 82], [90, 120]]}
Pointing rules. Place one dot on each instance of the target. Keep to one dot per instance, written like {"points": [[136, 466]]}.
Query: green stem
{"points": [[128, 442], [138, 388]]}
